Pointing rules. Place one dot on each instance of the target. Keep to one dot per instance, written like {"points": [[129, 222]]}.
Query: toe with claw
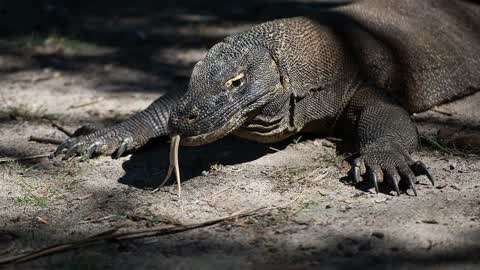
{"points": [[388, 165], [97, 143]]}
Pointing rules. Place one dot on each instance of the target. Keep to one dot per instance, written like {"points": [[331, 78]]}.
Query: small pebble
{"points": [[42, 220], [430, 221], [380, 200], [378, 235], [454, 187]]}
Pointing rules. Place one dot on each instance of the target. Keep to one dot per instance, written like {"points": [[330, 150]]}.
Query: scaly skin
{"points": [[123, 137], [356, 72]]}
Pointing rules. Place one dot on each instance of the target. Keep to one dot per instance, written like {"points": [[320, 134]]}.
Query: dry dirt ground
{"points": [[118, 62]]}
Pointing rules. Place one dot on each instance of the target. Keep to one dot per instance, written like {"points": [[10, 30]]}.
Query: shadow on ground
{"points": [[335, 252], [139, 35], [147, 168]]}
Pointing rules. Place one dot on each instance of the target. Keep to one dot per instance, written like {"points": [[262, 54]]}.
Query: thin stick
{"points": [[97, 220], [274, 149], [45, 140], [297, 139], [84, 104], [62, 129], [333, 139], [7, 159], [213, 198], [115, 235]]}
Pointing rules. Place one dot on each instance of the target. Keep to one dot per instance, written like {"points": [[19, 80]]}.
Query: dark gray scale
{"points": [[424, 53]]}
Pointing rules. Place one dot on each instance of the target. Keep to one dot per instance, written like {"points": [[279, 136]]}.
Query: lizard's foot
{"points": [[390, 163], [100, 142]]}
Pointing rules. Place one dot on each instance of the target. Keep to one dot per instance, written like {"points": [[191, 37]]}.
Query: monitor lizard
{"points": [[357, 72]]}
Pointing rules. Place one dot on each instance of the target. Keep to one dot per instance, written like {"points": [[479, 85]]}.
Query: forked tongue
{"points": [[174, 163]]}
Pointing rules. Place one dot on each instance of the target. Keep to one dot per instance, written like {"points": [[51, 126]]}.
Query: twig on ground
{"points": [[98, 220], [83, 197], [8, 159], [274, 149], [435, 144], [114, 234], [213, 198], [45, 140], [84, 104], [62, 129]]}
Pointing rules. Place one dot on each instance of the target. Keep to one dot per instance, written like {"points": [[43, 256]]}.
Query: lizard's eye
{"points": [[236, 81]]}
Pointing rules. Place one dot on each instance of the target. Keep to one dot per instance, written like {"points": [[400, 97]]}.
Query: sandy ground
{"points": [[317, 220]]}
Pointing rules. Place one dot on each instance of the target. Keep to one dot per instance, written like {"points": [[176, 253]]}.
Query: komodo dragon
{"points": [[356, 71]]}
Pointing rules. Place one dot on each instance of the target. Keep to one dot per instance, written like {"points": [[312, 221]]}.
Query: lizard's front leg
{"points": [[123, 137], [384, 136]]}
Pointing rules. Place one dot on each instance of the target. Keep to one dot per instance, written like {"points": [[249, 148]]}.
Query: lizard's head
{"points": [[226, 88]]}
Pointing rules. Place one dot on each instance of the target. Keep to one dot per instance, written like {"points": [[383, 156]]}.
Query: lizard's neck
{"points": [[319, 111], [271, 123]]}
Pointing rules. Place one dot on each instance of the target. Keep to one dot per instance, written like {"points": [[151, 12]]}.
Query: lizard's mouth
{"points": [[216, 134], [203, 122]]}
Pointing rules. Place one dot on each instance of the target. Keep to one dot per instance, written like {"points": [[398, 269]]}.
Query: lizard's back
{"points": [[423, 52]]}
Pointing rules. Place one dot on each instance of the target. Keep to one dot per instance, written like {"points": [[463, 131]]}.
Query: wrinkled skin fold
{"points": [[356, 72]]}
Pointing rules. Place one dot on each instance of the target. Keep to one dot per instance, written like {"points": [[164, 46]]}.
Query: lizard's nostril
{"points": [[192, 116]]}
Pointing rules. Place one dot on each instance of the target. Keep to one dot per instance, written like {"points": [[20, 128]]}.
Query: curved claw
{"points": [[419, 168], [410, 176], [71, 152], [356, 175], [91, 150], [391, 163], [121, 150], [373, 177], [62, 148], [394, 179], [412, 185]]}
